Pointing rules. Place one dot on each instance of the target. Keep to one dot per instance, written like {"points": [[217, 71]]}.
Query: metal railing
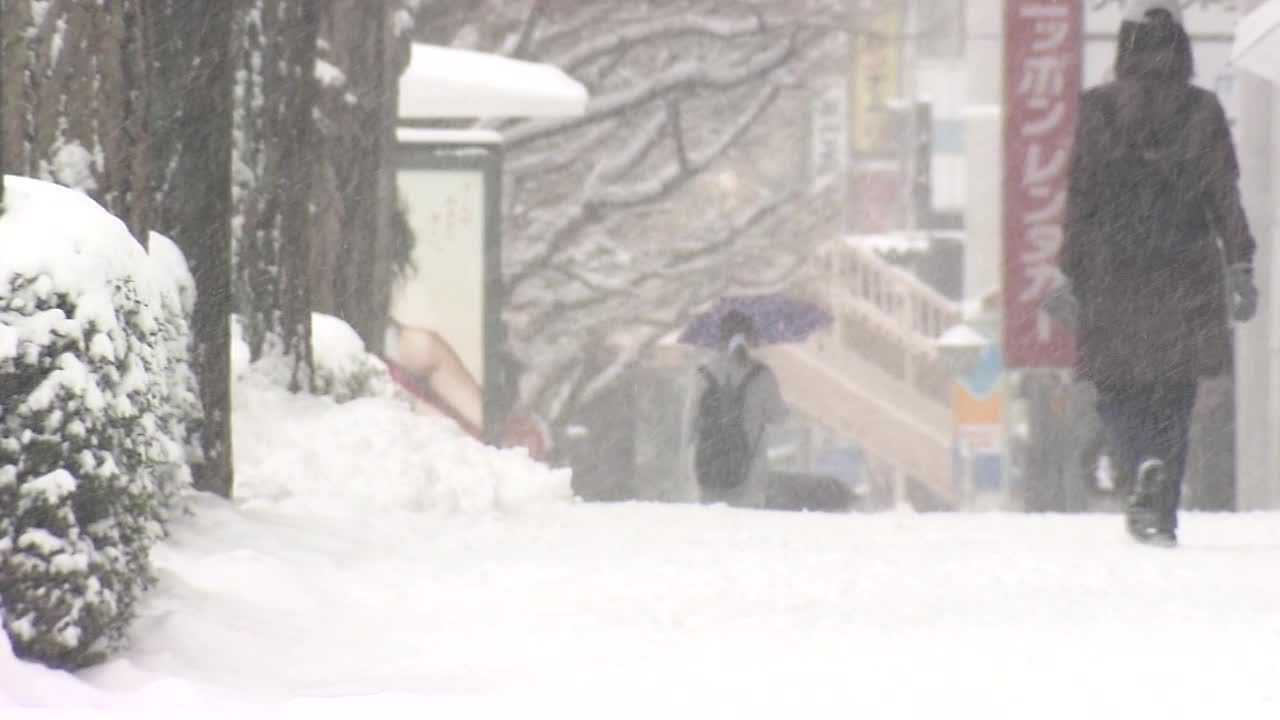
{"points": [[880, 356], [887, 315]]}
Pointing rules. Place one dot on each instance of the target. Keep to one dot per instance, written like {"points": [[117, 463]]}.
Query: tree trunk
{"points": [[275, 134], [298, 169], [73, 109], [3, 102], [122, 87], [190, 94], [11, 89], [351, 270]]}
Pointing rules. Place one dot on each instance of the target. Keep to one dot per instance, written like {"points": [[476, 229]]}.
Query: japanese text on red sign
{"points": [[1043, 83]]}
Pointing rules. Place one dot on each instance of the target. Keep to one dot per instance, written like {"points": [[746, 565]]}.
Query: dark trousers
{"points": [[1145, 421]]}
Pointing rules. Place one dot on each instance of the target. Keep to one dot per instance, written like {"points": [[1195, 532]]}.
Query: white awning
{"points": [[434, 136], [1257, 42], [443, 82], [960, 337], [901, 241]]}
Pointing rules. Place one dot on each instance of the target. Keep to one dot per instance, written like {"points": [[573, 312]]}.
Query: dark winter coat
{"points": [[1152, 193]]}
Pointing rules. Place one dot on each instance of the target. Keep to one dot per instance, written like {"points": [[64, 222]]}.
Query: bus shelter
{"points": [[445, 338]]}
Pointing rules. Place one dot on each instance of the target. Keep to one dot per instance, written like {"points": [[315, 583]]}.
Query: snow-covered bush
{"points": [[344, 370], [90, 444], [180, 414]]}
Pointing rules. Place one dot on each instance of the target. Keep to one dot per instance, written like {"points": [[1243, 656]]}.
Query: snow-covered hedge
{"points": [[95, 409], [180, 414]]}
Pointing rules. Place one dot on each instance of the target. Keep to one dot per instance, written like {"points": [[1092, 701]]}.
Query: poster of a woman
{"points": [[444, 343], [436, 339], [427, 366]]}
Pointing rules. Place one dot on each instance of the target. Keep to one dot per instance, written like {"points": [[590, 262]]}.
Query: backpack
{"points": [[722, 450]]}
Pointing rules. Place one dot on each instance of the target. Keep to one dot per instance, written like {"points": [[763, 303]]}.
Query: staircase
{"points": [[875, 375]]}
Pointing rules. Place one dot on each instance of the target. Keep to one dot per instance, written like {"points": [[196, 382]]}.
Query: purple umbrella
{"points": [[778, 320]]}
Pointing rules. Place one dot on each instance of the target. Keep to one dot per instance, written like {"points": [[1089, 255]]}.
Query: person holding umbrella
{"points": [[733, 399]]}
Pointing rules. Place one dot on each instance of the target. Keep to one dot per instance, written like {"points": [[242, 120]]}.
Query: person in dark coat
{"points": [[1156, 255]]}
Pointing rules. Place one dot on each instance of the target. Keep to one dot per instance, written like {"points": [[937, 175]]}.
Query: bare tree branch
{"points": [[614, 242], [666, 183], [688, 77], [560, 238], [668, 180], [646, 138], [610, 67], [667, 29], [677, 134], [558, 158], [683, 265], [523, 40], [593, 15]]}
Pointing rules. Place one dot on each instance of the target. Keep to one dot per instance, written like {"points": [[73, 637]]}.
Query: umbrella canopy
{"points": [[778, 319], [1257, 42]]}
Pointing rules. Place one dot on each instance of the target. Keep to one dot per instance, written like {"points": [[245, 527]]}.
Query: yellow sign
{"points": [[875, 79]]}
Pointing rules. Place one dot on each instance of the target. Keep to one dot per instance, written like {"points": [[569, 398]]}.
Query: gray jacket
{"points": [[762, 406]]}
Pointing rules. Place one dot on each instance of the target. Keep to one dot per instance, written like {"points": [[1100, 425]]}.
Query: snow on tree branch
{"points": [[677, 132], [592, 15], [519, 43], [658, 300], [679, 184], [664, 28], [592, 202], [607, 283], [561, 155], [666, 181], [687, 77], [646, 138]]}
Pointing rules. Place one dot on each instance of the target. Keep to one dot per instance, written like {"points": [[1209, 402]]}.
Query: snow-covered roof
{"points": [[435, 136], [903, 241], [961, 336], [443, 82], [1257, 42]]}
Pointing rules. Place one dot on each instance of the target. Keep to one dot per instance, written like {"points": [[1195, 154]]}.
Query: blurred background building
{"points": [[1257, 105], [904, 398]]}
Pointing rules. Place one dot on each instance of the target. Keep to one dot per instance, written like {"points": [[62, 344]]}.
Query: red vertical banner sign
{"points": [[1043, 56]]}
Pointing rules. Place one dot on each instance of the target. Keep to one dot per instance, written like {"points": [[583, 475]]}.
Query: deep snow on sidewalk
{"points": [[635, 601], [378, 555], [629, 599]]}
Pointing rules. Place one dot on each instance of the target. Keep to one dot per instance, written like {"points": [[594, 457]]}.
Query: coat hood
{"points": [[1136, 10]]}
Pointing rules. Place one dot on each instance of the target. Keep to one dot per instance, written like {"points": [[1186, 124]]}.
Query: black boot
{"points": [[1147, 518]]}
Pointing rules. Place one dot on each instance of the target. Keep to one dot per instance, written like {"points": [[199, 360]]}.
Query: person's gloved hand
{"points": [[1061, 305], [1244, 294]]}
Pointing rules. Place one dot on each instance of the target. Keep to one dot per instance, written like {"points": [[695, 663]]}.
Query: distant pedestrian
{"points": [[1153, 189], [734, 398]]}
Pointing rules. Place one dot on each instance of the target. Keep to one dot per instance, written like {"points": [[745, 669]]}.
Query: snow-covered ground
{"points": [[387, 559], [380, 562]]}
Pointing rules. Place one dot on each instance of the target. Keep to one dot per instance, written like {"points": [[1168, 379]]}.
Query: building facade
{"points": [[1258, 343]]}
